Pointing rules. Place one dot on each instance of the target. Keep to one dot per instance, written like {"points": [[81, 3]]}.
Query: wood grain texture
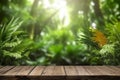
{"points": [[91, 70], [53, 73], [25, 70], [48, 71], [114, 70], [118, 67], [13, 71], [5, 69], [60, 72], [107, 71], [82, 71], [1, 66], [71, 71], [37, 71]]}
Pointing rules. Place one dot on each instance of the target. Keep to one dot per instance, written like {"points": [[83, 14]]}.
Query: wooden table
{"points": [[59, 73]]}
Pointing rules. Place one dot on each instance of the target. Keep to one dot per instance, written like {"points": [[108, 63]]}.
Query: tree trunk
{"points": [[98, 12], [33, 14]]}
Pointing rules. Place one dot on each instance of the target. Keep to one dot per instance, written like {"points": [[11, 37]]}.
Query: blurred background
{"points": [[59, 32]]}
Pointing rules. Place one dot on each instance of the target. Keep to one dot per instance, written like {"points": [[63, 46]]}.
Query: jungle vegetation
{"points": [[59, 32]]}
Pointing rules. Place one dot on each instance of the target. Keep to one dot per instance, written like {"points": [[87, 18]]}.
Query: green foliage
{"points": [[111, 50], [60, 55], [59, 47], [13, 46], [107, 54], [110, 9], [54, 42], [113, 30]]}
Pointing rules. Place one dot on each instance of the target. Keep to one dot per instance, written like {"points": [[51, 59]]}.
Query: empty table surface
{"points": [[59, 71]]}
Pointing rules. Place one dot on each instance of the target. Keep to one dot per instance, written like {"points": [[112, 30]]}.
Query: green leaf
{"points": [[16, 55]]}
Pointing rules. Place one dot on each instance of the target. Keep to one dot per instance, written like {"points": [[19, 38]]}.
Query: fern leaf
{"points": [[16, 55], [12, 44]]}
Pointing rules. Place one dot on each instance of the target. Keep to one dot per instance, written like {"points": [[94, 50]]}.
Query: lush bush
{"points": [[59, 32], [14, 46], [58, 47], [103, 46]]}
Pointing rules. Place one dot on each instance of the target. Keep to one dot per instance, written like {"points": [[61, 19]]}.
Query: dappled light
{"points": [[59, 32], [61, 6]]}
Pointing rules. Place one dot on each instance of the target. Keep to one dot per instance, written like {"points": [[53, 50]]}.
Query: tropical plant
{"points": [[111, 50], [13, 45], [103, 45], [58, 47]]}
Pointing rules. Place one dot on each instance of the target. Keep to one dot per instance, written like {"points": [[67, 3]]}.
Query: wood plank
{"points": [[114, 70], [71, 71], [25, 70], [13, 71], [115, 67], [1, 66], [82, 71], [37, 71], [106, 71], [58, 71], [118, 67], [53, 73], [5, 69], [92, 70], [48, 71]]}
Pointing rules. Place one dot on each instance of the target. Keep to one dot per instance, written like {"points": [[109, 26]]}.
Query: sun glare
{"points": [[46, 4], [30, 1], [63, 12], [60, 5]]}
